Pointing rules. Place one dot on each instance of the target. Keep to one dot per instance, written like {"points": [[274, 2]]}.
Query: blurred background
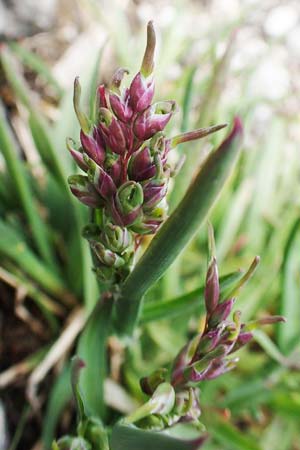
{"points": [[216, 59]]}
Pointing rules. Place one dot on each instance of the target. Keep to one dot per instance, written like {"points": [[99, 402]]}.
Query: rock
{"points": [[24, 18]]}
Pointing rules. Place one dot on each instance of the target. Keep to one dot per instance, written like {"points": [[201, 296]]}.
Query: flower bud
{"points": [[220, 367], [92, 148], [243, 338], [119, 101], [76, 155], [148, 59], [141, 92], [212, 288], [269, 320], [142, 86], [194, 135], [115, 171], [159, 212], [221, 312], [146, 226], [101, 180], [184, 357], [117, 79], [153, 119], [154, 192], [141, 166], [114, 132], [232, 331], [106, 256], [101, 95], [162, 402], [81, 116], [126, 207], [117, 238], [163, 399], [84, 191], [187, 404], [120, 106], [208, 342], [196, 372]]}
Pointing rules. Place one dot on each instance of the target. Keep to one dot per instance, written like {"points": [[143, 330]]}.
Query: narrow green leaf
{"points": [[255, 392], [14, 247], [208, 109], [189, 163], [215, 86], [92, 350], [18, 432], [286, 403], [37, 124], [290, 305], [189, 303], [23, 190], [228, 436], [34, 62], [178, 230], [48, 153], [269, 347], [129, 437], [187, 98], [9, 67], [55, 162], [59, 396], [94, 83]]}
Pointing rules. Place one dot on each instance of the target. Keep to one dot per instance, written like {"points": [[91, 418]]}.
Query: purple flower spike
{"points": [[141, 92], [212, 288], [153, 119], [92, 148], [124, 153]]}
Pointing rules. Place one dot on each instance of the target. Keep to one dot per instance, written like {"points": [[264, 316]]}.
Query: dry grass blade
{"points": [[75, 321], [32, 291], [117, 398], [25, 315]]}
